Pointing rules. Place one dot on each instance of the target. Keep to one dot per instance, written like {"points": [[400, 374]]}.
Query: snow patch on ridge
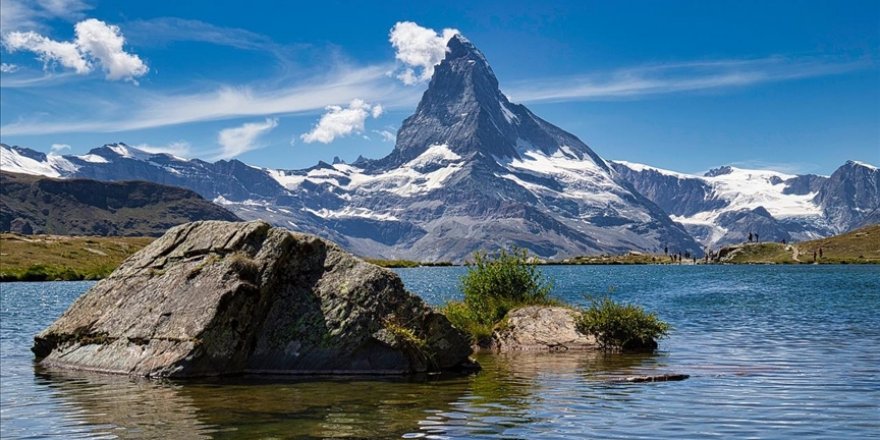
{"points": [[14, 162], [93, 158], [642, 167], [409, 180]]}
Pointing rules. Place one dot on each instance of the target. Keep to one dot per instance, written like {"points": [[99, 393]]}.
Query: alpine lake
{"points": [[772, 352]]}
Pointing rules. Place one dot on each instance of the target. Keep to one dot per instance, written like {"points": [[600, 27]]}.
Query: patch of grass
{"points": [[461, 317], [409, 340], [861, 246], [763, 253], [404, 334], [54, 257], [493, 286], [245, 265], [620, 327]]}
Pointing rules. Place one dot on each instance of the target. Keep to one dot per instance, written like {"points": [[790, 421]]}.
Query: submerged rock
{"points": [[218, 298], [541, 328], [655, 378]]}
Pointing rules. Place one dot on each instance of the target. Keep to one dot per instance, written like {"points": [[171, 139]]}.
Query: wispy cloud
{"points": [[660, 79], [164, 30], [32, 14], [143, 110], [386, 135], [57, 148], [285, 95], [238, 140]]}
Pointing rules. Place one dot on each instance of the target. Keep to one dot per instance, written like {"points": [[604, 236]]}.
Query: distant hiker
{"points": [[756, 238], [820, 252], [665, 250], [814, 256], [750, 237], [783, 241]]}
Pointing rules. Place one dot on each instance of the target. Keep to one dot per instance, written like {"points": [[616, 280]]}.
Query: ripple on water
{"points": [[782, 352]]}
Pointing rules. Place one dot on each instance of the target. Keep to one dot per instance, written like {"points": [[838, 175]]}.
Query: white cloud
{"points": [[419, 49], [179, 148], [56, 148], [237, 140], [49, 51], [96, 42], [104, 43], [660, 79], [386, 135], [8, 68], [342, 121]]}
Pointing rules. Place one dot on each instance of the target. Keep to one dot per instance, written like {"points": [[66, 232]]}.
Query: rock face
{"points": [[541, 328], [220, 298]]}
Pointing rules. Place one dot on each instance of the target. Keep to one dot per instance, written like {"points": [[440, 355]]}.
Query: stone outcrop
{"points": [[541, 328], [220, 298]]}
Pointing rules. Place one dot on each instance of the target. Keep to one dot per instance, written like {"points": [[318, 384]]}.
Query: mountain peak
{"points": [[464, 109], [460, 47], [855, 163], [720, 171]]}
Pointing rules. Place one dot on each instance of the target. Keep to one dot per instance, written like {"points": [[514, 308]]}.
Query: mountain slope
{"points": [[32, 204], [472, 171], [726, 204]]}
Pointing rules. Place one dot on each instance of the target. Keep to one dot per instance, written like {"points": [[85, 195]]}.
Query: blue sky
{"points": [[687, 86]]}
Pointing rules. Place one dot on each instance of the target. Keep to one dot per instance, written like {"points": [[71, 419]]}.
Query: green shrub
{"points": [[493, 286], [461, 317], [619, 326]]}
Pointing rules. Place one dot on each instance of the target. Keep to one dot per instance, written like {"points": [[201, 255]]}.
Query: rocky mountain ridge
{"points": [[473, 171], [726, 204]]}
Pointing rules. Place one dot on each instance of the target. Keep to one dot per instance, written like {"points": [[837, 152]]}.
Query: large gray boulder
{"points": [[219, 298]]}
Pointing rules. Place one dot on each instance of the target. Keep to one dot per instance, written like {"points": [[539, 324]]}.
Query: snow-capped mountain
{"points": [[726, 204], [473, 171], [470, 171]]}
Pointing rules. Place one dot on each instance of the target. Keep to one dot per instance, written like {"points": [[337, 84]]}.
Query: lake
{"points": [[773, 352]]}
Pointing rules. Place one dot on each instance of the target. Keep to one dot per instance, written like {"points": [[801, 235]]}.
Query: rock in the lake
{"points": [[219, 298], [655, 378], [541, 328]]}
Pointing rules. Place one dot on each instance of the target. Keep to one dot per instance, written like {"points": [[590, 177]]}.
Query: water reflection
{"points": [[507, 395], [249, 408], [517, 392]]}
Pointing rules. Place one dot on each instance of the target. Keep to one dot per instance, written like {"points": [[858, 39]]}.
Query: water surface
{"points": [[773, 352]]}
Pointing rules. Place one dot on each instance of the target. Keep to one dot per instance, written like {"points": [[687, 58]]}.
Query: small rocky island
{"points": [[223, 298]]}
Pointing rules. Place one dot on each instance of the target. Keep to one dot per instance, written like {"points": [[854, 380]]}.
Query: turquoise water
{"points": [[773, 352]]}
